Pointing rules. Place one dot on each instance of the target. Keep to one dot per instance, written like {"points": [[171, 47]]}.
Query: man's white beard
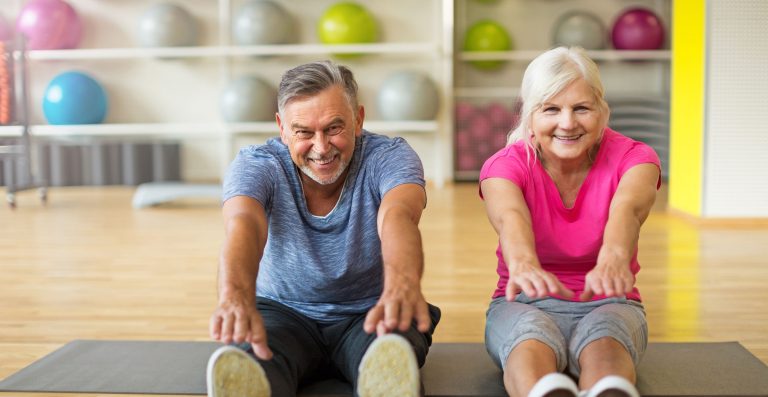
{"points": [[307, 170]]}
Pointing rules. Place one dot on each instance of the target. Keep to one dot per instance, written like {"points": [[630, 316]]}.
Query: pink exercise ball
{"points": [[6, 32], [464, 112], [49, 25], [467, 161], [480, 127], [638, 29], [500, 116]]}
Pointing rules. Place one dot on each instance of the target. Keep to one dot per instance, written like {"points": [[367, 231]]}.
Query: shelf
{"points": [[200, 130], [602, 55], [232, 51], [486, 92]]}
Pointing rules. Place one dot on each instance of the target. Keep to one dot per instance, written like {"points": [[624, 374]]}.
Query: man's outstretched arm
{"points": [[236, 318], [401, 300]]}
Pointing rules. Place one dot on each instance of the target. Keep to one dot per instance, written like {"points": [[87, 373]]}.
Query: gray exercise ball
{"points": [[248, 98], [167, 25], [580, 28], [262, 22], [408, 95]]}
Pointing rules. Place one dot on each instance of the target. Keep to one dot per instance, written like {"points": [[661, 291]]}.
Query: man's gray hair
{"points": [[312, 78]]}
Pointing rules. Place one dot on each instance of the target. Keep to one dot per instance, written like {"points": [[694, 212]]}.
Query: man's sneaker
{"points": [[233, 373], [554, 385], [389, 368], [612, 386]]}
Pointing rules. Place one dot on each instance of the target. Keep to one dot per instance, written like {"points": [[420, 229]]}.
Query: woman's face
{"points": [[568, 126]]}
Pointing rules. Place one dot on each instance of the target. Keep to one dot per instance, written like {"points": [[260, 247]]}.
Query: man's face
{"points": [[320, 133]]}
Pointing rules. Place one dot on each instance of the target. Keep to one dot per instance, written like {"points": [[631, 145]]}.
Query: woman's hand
{"points": [[610, 277], [535, 282]]}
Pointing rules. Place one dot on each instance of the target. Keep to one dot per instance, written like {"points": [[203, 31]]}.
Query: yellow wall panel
{"points": [[687, 106]]}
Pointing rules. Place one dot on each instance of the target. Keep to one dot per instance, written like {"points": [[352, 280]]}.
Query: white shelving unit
{"points": [[637, 74], [174, 92]]}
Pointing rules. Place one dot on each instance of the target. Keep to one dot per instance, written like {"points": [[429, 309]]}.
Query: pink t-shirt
{"points": [[569, 239]]}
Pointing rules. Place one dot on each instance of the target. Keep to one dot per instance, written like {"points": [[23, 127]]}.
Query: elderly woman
{"points": [[567, 197]]}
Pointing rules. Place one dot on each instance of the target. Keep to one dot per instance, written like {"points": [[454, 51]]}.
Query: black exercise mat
{"points": [[452, 369]]}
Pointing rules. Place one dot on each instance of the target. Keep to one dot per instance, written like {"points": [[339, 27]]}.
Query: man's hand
{"points": [[399, 305], [237, 320]]}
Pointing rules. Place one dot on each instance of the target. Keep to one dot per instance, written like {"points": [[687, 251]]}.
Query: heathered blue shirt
{"points": [[329, 267]]}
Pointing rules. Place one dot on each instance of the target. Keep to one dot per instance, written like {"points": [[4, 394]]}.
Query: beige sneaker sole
{"points": [[233, 373], [389, 368]]}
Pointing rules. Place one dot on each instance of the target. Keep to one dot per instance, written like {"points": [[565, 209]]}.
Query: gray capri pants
{"points": [[565, 326]]}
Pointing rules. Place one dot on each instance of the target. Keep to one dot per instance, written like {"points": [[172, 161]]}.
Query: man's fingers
{"points": [[391, 314], [242, 326], [381, 328], [226, 328], [423, 319], [214, 327], [262, 351], [258, 338], [406, 317], [372, 319]]}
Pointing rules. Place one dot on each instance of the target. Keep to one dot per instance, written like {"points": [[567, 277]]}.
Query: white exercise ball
{"points": [[248, 98], [579, 28], [262, 22], [167, 25], [408, 95]]}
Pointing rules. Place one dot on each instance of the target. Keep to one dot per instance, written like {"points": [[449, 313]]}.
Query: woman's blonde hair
{"points": [[546, 76]]}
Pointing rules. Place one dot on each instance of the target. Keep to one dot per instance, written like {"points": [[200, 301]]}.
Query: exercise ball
{"points": [[167, 25], [501, 118], [466, 161], [463, 112], [49, 25], [408, 95], [480, 128], [579, 28], [262, 22], [487, 35], [6, 32], [346, 23], [499, 139], [74, 98], [637, 29], [248, 98]]}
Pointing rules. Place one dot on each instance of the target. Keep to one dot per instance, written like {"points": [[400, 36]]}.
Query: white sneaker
{"points": [[613, 383], [389, 368], [554, 384], [233, 373]]}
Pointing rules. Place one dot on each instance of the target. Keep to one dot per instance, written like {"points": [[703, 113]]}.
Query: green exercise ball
{"points": [[487, 35], [347, 23]]}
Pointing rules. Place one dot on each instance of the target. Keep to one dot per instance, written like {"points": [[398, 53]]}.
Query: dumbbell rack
{"points": [[14, 105]]}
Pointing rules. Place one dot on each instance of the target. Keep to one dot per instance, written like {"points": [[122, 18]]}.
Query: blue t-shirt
{"points": [[327, 268]]}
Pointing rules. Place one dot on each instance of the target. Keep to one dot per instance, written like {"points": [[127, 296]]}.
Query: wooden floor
{"points": [[87, 266]]}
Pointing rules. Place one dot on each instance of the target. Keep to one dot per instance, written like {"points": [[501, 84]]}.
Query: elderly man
{"points": [[321, 266]]}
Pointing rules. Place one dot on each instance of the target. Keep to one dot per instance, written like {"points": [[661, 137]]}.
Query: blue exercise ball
{"points": [[167, 25], [248, 98], [408, 95], [74, 98], [262, 22]]}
